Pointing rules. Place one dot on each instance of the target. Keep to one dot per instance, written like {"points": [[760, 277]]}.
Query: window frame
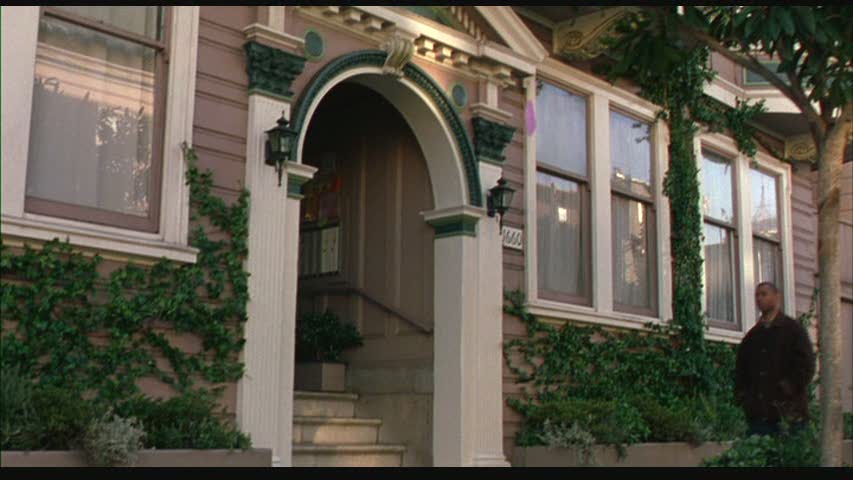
{"points": [[585, 190], [83, 213], [734, 228], [20, 30], [777, 242], [601, 98], [727, 147], [647, 201]]}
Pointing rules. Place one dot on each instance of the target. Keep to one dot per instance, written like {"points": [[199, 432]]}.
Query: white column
{"points": [[489, 335], [602, 243], [467, 402], [265, 393], [19, 30]]}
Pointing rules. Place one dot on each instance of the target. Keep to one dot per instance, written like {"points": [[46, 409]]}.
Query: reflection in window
{"points": [[92, 141], [766, 239], [717, 198], [630, 154], [765, 205], [561, 130]]}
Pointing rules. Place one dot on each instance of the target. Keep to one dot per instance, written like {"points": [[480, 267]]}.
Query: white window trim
{"points": [[19, 39], [602, 98], [741, 165]]}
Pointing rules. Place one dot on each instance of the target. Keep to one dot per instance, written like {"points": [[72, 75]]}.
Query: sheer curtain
{"points": [[562, 251], [633, 268], [767, 262], [720, 284], [92, 121]]}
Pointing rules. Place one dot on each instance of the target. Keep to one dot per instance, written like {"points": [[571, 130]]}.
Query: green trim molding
{"points": [[271, 70], [491, 139], [455, 225], [294, 185], [376, 58]]}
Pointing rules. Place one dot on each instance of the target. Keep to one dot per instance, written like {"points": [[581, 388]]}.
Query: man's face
{"points": [[766, 298]]}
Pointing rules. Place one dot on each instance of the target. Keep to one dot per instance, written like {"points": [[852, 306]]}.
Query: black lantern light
{"points": [[279, 145], [500, 198]]}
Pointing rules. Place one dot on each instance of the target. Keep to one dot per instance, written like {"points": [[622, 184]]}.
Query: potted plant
{"points": [[320, 340]]}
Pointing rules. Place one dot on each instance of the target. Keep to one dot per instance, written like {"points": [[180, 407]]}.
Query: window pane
{"points": [[634, 273], [720, 278], [765, 206], [631, 154], [768, 262], [561, 229], [561, 129], [139, 20], [717, 199], [91, 140]]}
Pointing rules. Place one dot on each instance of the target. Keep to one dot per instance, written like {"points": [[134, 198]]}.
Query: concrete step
{"points": [[322, 404], [335, 431], [348, 455]]}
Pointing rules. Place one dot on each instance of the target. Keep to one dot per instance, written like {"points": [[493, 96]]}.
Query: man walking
{"points": [[775, 364]]}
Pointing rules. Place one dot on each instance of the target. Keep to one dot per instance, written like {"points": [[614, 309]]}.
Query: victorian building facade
{"points": [[405, 120]]}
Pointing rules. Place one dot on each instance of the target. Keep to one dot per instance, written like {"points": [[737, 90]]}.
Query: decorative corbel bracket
{"points": [[271, 70], [400, 49], [581, 38], [801, 148], [491, 139]]}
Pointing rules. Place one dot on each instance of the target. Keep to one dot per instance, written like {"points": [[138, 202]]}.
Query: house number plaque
{"points": [[512, 238]]}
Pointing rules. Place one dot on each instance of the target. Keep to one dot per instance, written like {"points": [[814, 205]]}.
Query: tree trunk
{"points": [[829, 195]]}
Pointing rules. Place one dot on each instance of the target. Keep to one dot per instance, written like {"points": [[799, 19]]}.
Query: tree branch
{"points": [[793, 91]]}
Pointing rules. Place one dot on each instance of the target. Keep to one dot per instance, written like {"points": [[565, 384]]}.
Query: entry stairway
{"points": [[326, 433]]}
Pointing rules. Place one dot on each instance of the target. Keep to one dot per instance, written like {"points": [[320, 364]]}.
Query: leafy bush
{"points": [[112, 441], [60, 416], [569, 436], [608, 421], [187, 421], [790, 449], [322, 337], [16, 393]]}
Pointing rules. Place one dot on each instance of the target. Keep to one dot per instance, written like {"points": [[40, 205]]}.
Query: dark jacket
{"points": [[774, 367]]}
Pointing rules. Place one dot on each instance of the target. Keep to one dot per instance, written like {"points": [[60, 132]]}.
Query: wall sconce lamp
{"points": [[499, 199], [280, 140]]}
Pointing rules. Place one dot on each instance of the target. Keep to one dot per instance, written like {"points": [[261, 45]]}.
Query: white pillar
{"points": [[489, 335], [467, 402], [265, 393]]}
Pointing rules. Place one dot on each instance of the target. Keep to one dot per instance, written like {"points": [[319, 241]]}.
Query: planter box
{"points": [[255, 457], [639, 455], [320, 376], [673, 454]]}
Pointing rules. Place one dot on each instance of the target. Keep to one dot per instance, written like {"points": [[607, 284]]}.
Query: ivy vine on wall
{"points": [[67, 323]]}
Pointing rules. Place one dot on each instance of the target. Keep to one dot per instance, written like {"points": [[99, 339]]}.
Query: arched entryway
{"points": [[366, 254], [467, 294], [467, 401]]}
